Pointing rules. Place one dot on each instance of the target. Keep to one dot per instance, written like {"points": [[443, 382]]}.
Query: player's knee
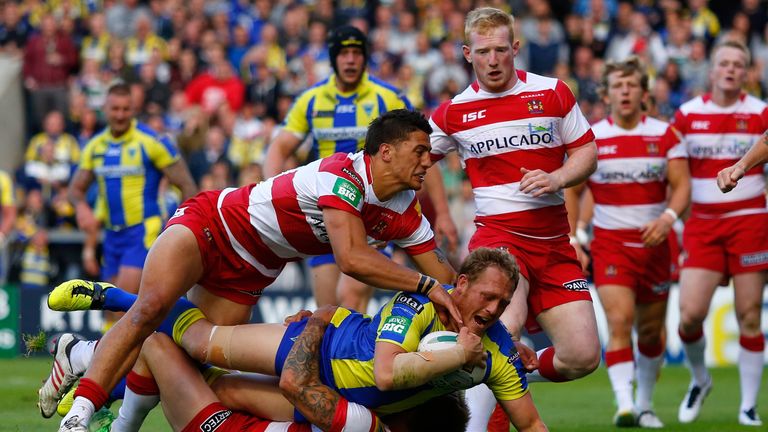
{"points": [[619, 324], [580, 361], [148, 311]]}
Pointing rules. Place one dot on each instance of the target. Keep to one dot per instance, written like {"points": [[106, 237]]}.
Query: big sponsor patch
{"points": [[348, 192], [395, 328]]}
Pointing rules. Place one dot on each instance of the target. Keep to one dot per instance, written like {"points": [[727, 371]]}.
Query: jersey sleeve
{"points": [[405, 319], [162, 152], [442, 143], [297, 119], [673, 141], [679, 121], [86, 156], [6, 190], [419, 238], [507, 376], [574, 128]]}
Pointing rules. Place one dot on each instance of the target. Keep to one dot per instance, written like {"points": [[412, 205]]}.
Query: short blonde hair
{"points": [[627, 67], [482, 258], [732, 44], [484, 19]]}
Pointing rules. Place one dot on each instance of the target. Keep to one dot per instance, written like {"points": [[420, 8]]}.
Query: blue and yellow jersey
{"points": [[138, 52], [338, 121], [128, 170], [65, 148], [7, 194], [95, 48], [350, 341]]}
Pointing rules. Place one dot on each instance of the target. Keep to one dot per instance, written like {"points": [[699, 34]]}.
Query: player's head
{"points": [[490, 46], [400, 138], [446, 413], [624, 86], [728, 69], [119, 108], [487, 279], [348, 52]]}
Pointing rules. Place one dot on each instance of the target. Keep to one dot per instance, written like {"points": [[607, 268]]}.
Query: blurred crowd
{"points": [[219, 76]]}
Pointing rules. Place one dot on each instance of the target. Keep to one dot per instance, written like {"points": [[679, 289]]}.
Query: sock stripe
{"points": [[92, 391], [141, 385], [547, 366], [184, 321], [619, 356], [752, 343]]}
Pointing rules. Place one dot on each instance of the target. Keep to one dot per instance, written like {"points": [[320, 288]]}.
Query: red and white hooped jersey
{"points": [[717, 137], [496, 134], [281, 219], [630, 183]]}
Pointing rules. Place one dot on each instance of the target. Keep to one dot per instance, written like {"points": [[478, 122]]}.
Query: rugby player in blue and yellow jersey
{"points": [[371, 361], [127, 159], [336, 113]]}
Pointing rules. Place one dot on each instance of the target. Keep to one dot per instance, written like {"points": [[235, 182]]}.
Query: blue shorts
{"points": [[128, 247], [319, 260]]}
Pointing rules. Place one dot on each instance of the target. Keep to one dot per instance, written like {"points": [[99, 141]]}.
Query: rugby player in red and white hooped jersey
{"points": [[233, 243], [726, 235], [522, 139], [638, 158]]}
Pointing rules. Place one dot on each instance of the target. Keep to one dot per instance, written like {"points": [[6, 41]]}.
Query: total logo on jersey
{"points": [[536, 135]]}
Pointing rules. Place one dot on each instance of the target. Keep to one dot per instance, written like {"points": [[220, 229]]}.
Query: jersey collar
{"points": [[361, 90], [127, 136]]}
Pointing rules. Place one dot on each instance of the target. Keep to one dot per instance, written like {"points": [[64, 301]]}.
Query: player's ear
{"points": [[386, 150]]}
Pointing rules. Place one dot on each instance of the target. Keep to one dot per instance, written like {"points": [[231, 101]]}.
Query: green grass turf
{"points": [[583, 405]]}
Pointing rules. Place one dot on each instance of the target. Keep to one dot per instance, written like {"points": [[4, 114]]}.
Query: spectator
{"points": [[139, 48], [424, 58], [248, 138], [184, 70], [403, 37], [116, 66], [7, 218], [49, 60], [93, 82], [641, 40], [121, 17], [156, 93], [695, 70], [52, 154], [449, 71], [705, 24], [214, 150], [238, 48], [95, 45], [14, 29], [219, 85]]}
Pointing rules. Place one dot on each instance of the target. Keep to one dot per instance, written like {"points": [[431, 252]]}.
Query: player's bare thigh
{"points": [[618, 302], [697, 286], [256, 394], [572, 328], [219, 310], [748, 301]]}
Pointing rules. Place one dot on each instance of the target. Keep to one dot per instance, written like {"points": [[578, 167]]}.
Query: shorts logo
{"points": [[661, 288], [756, 258], [396, 324], [347, 192], [611, 270], [179, 212], [577, 285], [214, 421], [208, 234], [409, 301]]}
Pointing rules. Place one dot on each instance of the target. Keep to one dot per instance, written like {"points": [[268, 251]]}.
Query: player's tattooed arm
{"points": [[300, 380]]}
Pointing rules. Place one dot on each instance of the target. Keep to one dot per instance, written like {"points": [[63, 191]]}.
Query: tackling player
{"points": [[335, 113], [233, 243]]}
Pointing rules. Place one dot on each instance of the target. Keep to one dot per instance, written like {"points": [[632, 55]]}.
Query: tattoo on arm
{"points": [[316, 401], [440, 255]]}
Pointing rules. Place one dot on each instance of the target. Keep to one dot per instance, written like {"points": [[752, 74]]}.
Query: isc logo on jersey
{"points": [[468, 117], [396, 324], [347, 191]]}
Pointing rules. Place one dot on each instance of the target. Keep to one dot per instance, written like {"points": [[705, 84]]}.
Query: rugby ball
{"points": [[461, 379]]}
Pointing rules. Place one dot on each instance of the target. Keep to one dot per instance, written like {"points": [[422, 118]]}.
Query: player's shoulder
{"points": [[696, 104], [98, 139], [538, 82], [316, 89], [656, 126], [381, 86], [602, 127]]}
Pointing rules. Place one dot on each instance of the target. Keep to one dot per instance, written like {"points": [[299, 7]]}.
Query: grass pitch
{"points": [[583, 405]]}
